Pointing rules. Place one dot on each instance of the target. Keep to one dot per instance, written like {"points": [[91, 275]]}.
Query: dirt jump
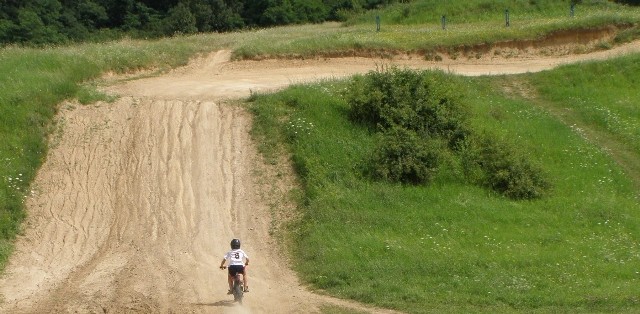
{"points": [[138, 199]]}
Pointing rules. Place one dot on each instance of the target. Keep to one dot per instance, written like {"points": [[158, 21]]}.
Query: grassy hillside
{"points": [[602, 95], [416, 27], [453, 247]]}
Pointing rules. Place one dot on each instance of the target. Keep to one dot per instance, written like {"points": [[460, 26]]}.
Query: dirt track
{"points": [[138, 199]]}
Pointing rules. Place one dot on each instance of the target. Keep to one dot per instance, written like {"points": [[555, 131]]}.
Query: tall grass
{"points": [[451, 247]]}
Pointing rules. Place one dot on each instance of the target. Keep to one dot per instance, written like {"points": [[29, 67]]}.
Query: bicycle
{"points": [[238, 287]]}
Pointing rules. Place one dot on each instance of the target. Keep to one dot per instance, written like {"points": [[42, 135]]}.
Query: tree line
{"points": [[42, 22]]}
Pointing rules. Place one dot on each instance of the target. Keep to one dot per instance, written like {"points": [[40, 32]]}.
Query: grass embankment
{"points": [[416, 27], [454, 247]]}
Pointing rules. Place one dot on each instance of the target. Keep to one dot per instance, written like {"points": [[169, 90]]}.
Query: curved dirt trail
{"points": [[138, 199]]}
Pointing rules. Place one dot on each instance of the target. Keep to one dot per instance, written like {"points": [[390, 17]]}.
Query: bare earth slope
{"points": [[139, 199]]}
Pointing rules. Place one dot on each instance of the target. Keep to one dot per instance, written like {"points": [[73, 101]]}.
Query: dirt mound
{"points": [[138, 199]]}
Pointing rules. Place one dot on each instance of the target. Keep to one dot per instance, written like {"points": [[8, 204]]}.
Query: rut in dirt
{"points": [[137, 204]]}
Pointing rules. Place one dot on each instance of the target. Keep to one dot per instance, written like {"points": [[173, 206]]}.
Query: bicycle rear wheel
{"points": [[237, 290]]}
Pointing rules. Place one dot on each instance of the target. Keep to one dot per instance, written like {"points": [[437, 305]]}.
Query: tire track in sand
{"points": [[138, 201]]}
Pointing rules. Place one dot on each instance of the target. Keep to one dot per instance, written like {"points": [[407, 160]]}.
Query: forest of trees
{"points": [[59, 21]]}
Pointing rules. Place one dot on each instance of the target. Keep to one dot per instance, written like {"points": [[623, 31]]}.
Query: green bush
{"points": [[402, 156], [423, 127], [420, 118], [498, 165], [180, 21], [427, 103]]}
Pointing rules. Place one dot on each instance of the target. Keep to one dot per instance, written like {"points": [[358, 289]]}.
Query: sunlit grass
{"points": [[609, 105], [450, 247], [334, 39]]}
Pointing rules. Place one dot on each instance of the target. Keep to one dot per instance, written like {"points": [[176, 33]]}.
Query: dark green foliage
{"points": [[630, 2], [499, 165], [7, 30], [420, 116], [279, 14], [283, 12], [426, 103], [423, 124], [180, 21], [403, 156], [39, 24], [90, 14], [217, 15], [50, 21], [140, 18]]}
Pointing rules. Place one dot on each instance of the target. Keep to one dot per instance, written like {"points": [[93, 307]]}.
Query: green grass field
{"points": [[451, 247], [447, 247]]}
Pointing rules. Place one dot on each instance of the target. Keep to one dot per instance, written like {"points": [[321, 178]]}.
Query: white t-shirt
{"points": [[235, 257]]}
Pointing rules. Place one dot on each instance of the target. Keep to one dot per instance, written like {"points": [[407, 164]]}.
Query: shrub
{"points": [[427, 103], [501, 167], [423, 126], [180, 21], [402, 156]]}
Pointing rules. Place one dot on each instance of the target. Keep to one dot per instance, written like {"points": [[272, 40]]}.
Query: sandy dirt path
{"points": [[139, 199]]}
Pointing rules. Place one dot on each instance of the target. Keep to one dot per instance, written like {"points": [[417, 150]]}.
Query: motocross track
{"points": [[138, 199]]}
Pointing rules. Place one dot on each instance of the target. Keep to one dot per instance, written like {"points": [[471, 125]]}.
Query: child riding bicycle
{"points": [[238, 260]]}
